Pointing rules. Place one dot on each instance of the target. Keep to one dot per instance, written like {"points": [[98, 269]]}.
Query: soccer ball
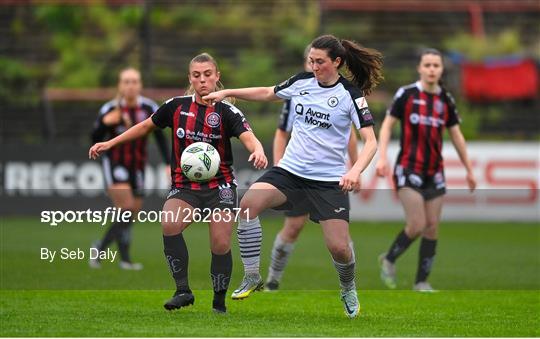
{"points": [[200, 161]]}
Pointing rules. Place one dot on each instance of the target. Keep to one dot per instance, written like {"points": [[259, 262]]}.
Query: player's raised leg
{"points": [[176, 252], [260, 196]]}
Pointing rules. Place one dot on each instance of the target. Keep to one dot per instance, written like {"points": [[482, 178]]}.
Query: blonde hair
{"points": [[205, 57]]}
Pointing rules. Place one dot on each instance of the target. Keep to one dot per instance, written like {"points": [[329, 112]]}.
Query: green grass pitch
{"points": [[488, 276]]}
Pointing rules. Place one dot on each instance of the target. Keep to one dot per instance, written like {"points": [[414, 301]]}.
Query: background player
{"points": [[191, 120], [423, 109], [123, 165], [296, 218], [312, 170]]}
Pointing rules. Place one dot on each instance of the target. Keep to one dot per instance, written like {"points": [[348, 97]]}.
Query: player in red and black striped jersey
{"points": [[424, 109], [123, 165], [193, 120], [114, 118]]}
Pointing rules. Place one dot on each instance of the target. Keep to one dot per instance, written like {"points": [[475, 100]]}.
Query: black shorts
{"points": [[222, 197], [430, 187], [323, 200], [116, 173], [298, 210]]}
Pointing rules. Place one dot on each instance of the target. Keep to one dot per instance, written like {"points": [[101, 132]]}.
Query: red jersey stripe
{"points": [[422, 133], [177, 170], [407, 133], [223, 168], [190, 128], [207, 130], [434, 139]]}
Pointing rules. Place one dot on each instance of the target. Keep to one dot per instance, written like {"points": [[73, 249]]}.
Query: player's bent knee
{"points": [[340, 253], [291, 233], [432, 224], [171, 228], [431, 231], [414, 230], [250, 209], [220, 247]]}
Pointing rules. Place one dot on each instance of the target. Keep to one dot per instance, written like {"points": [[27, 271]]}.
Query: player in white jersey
{"points": [[312, 169], [296, 218]]}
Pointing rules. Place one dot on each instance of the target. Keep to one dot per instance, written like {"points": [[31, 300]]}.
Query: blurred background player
{"points": [[313, 170], [423, 109], [123, 165], [296, 218], [189, 117]]}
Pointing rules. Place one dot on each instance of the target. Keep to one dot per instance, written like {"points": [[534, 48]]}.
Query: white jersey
{"points": [[321, 125]]}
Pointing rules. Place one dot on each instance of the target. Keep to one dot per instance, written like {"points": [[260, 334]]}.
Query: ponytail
{"points": [[364, 64]]}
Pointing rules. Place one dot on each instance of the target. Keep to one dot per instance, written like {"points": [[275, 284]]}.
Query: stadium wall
{"points": [[60, 177]]}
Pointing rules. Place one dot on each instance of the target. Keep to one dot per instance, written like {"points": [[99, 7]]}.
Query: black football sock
{"points": [[124, 240], [177, 256], [425, 259], [220, 271], [400, 244], [112, 234]]}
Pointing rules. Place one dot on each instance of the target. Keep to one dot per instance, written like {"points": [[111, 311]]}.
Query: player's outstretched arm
{"points": [[141, 129], [459, 143], [254, 146], [249, 94], [385, 133], [351, 180]]}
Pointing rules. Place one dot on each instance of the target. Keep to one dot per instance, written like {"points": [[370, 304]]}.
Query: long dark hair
{"points": [[364, 64]]}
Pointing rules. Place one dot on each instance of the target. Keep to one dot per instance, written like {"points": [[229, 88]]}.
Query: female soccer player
{"points": [[312, 170], [191, 121], [423, 109], [123, 165], [296, 218]]}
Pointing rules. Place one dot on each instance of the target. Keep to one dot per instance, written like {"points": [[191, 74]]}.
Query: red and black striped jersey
{"points": [[192, 122], [132, 155], [423, 117]]}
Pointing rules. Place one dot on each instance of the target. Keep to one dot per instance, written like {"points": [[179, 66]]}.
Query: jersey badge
{"points": [[180, 133], [361, 102], [213, 120], [333, 102]]}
